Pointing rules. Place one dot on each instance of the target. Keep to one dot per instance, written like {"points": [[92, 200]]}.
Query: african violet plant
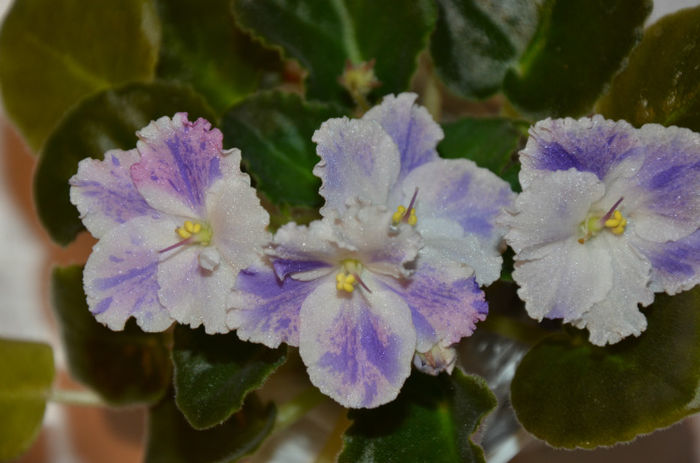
{"points": [[367, 225]]}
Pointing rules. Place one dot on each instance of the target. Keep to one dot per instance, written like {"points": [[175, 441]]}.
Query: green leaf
{"points": [[124, 367], [214, 373], [102, 122], [172, 440], [431, 420], [492, 143], [661, 82], [323, 34], [578, 46], [573, 394], [53, 54], [273, 131], [202, 46], [27, 373], [476, 41]]}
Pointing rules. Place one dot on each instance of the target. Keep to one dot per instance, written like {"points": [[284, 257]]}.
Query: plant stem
{"points": [[290, 412], [72, 397]]}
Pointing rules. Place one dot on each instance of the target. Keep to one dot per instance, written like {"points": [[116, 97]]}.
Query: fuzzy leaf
{"points": [[661, 83], [573, 394], [432, 420], [124, 367], [214, 373], [53, 54], [323, 34], [27, 373], [578, 46]]}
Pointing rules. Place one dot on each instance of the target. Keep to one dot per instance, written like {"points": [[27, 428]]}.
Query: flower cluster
{"points": [[390, 275]]}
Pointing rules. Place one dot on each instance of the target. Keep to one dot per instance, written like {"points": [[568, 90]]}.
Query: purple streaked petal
{"points": [[192, 294], [304, 252], [285, 267], [180, 160], [357, 347], [445, 305], [104, 193], [411, 127], [668, 183], [358, 158], [675, 264], [265, 309], [590, 144], [120, 275], [464, 202]]}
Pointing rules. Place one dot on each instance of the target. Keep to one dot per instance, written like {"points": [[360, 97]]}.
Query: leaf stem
{"points": [[290, 412], [73, 397]]}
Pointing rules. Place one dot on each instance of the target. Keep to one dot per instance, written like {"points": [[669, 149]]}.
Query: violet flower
{"points": [[609, 214], [388, 273], [176, 221]]}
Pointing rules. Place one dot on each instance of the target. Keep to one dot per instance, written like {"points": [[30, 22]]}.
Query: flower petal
{"points": [[304, 252], [358, 158], [411, 127], [180, 160], [357, 347], [120, 275], [266, 309], [590, 144], [104, 193], [617, 316], [675, 264], [458, 191], [550, 210], [192, 294], [668, 183], [366, 228], [565, 279], [237, 219], [445, 302]]}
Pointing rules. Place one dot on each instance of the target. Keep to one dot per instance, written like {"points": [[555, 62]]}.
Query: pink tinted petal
{"points": [[104, 193], [192, 294], [180, 160], [411, 127], [445, 302], [357, 347], [358, 158], [120, 277], [265, 309]]}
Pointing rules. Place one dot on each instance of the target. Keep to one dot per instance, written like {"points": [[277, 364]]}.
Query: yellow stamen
{"points": [[412, 219], [616, 223], [345, 282], [398, 215], [201, 234]]}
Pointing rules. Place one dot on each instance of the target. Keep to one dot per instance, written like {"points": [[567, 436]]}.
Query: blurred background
{"points": [[92, 434]]}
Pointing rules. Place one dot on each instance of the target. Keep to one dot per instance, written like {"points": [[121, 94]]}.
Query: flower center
{"points": [[349, 276], [406, 214], [613, 220], [192, 233]]}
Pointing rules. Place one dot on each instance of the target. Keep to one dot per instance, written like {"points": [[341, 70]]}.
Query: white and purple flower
{"points": [[176, 221], [388, 274], [609, 214]]}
